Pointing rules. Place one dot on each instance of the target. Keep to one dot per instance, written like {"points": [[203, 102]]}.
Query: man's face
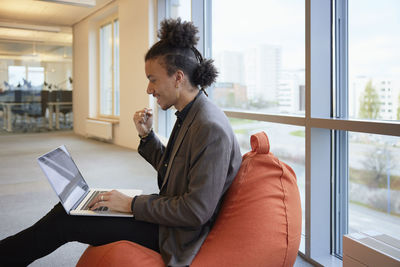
{"points": [[161, 86]]}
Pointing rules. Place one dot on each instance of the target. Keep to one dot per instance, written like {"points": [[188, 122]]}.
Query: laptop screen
{"points": [[63, 176]]}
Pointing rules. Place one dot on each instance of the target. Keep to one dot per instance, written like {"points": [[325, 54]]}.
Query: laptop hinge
{"points": [[80, 200]]}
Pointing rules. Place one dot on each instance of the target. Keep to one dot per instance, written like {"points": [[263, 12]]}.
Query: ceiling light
{"points": [[84, 3], [14, 25]]}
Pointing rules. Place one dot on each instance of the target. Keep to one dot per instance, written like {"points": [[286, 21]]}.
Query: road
{"points": [[364, 219]]}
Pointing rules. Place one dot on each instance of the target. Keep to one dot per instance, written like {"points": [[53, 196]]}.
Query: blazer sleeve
{"points": [[210, 147], [151, 149]]}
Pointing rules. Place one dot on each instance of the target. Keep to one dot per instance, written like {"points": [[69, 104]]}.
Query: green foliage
{"points": [[369, 103], [299, 133], [398, 110], [365, 177], [236, 121], [376, 162]]}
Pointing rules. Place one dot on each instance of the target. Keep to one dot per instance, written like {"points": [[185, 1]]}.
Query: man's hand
{"points": [[113, 200], [143, 120]]}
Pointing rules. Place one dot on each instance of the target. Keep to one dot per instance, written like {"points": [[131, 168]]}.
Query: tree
{"points": [[369, 103], [377, 161], [398, 109]]}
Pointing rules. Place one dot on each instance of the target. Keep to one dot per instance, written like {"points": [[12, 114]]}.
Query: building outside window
{"points": [[374, 92], [109, 68], [262, 71], [321, 79]]}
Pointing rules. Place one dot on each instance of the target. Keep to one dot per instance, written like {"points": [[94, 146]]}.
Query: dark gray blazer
{"points": [[203, 164]]}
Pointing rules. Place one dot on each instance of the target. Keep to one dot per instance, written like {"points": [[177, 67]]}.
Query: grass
{"points": [[241, 131], [363, 177], [298, 133], [236, 121]]}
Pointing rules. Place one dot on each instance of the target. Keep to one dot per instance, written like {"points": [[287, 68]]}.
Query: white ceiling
{"points": [[15, 41], [45, 13]]}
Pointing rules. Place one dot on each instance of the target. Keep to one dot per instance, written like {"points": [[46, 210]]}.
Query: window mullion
{"points": [[318, 141], [112, 67], [198, 20], [162, 115], [340, 145]]}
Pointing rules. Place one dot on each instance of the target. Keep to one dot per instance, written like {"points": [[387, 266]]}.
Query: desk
{"points": [[7, 113], [57, 105]]}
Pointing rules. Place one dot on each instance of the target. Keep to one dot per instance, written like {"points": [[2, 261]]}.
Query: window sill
{"points": [[329, 260], [112, 121]]}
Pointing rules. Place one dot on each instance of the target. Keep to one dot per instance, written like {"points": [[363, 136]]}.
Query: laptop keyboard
{"points": [[95, 194]]}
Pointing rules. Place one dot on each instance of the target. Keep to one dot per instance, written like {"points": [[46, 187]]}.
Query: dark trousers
{"points": [[58, 228]]}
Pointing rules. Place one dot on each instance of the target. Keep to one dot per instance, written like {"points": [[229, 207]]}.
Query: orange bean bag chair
{"points": [[259, 223]]}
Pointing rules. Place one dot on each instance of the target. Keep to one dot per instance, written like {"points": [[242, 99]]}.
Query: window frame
{"points": [[166, 118], [326, 123], [29, 72], [109, 20], [327, 126], [8, 72]]}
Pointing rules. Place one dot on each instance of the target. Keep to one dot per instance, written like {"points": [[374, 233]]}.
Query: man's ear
{"points": [[179, 77]]}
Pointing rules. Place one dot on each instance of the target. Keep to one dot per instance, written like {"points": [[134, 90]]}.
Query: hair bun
{"points": [[205, 74], [177, 33]]}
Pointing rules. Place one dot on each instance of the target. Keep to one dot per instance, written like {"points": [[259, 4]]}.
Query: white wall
{"points": [[134, 22]]}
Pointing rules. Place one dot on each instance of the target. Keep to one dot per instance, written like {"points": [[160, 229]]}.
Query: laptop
{"points": [[70, 187]]}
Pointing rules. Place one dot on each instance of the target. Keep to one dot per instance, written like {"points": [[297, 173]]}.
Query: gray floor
{"points": [[25, 195]]}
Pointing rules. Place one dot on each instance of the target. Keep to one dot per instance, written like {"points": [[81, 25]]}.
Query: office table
{"points": [[7, 113], [57, 105]]}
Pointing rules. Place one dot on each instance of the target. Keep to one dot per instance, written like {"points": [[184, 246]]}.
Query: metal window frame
{"points": [[340, 143], [165, 118], [326, 123], [318, 140]]}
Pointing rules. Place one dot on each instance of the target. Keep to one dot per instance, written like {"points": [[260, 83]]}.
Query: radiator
{"points": [[99, 129]]}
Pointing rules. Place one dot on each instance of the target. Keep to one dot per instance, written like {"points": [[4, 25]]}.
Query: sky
{"points": [[374, 32], [239, 25], [374, 38]]}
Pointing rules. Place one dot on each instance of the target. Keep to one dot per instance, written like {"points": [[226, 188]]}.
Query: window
{"points": [[109, 69], [374, 183], [25, 77], [367, 164], [16, 75], [327, 109], [373, 62], [171, 9], [374, 57], [36, 76], [181, 9], [262, 71], [260, 55]]}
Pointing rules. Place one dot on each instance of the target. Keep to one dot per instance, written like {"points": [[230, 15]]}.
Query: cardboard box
{"points": [[370, 249]]}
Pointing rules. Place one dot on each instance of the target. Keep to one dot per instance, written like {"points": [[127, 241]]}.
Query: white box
{"points": [[370, 249]]}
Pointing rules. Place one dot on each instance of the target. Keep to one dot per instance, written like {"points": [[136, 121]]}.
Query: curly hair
{"points": [[177, 50]]}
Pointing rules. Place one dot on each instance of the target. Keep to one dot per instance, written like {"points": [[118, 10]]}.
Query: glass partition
{"points": [[34, 75]]}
